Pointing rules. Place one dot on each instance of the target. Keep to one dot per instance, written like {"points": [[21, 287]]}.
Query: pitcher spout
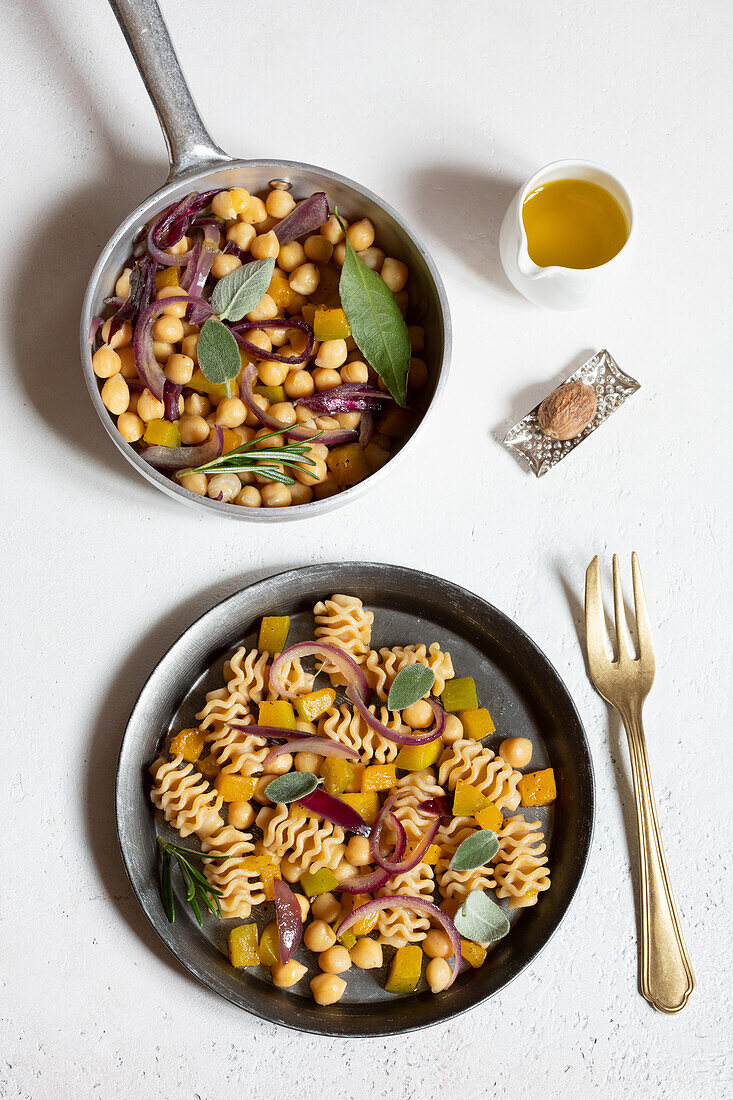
{"points": [[526, 266]]}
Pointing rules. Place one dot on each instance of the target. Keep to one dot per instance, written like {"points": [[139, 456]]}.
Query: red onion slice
{"points": [[171, 393], [351, 397], [142, 288], [328, 438], [345, 664], [270, 733], [277, 322], [335, 810], [308, 215], [183, 458], [394, 735], [322, 746], [147, 365], [374, 880], [366, 428], [440, 806], [288, 919], [171, 226], [422, 906], [94, 328]]}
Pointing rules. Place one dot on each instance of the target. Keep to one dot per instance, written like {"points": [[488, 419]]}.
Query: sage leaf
{"points": [[292, 786], [409, 685], [242, 289], [218, 353], [475, 851], [377, 325], [481, 919]]}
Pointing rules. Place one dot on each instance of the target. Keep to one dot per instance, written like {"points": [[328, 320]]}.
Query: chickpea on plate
{"points": [[257, 350]]}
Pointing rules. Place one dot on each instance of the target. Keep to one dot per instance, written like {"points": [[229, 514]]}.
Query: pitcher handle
{"points": [[190, 147]]}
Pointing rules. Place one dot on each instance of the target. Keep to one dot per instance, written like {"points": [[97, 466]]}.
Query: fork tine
{"points": [[622, 630], [594, 622], [643, 631]]}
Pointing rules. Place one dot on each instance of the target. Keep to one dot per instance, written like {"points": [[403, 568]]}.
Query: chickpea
{"points": [[332, 354], [517, 751], [255, 212], [291, 255], [249, 497], [307, 762], [332, 231], [229, 204], [326, 487], [355, 372], [437, 944], [453, 730], [275, 495], [278, 336], [279, 765], [327, 423], [305, 279], [327, 988], [197, 404], [226, 486], [339, 254], [162, 350], [300, 494], [242, 235], [271, 373], [349, 420], [319, 936], [241, 814], [224, 264], [284, 411], [335, 960], [189, 346], [279, 204], [317, 473], [372, 257], [168, 330], [130, 427], [366, 953], [121, 338], [263, 404], [438, 974], [148, 407], [376, 456], [319, 450], [230, 412], [295, 303], [361, 235], [265, 245], [179, 369], [195, 483], [326, 908], [116, 395], [271, 441], [344, 871], [402, 298], [419, 716], [122, 286], [318, 249], [418, 375], [326, 379], [290, 871], [128, 368], [178, 309], [299, 383], [357, 851], [265, 310], [180, 247], [106, 362], [394, 273], [285, 975], [260, 796], [417, 337]]}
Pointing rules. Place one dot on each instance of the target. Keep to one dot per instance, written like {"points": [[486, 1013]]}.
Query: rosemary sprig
{"points": [[251, 456], [198, 889]]}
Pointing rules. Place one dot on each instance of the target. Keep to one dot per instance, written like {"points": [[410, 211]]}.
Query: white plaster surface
{"points": [[443, 109]]}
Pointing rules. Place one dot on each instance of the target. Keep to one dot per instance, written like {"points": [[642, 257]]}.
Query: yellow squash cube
{"points": [[538, 788], [348, 938], [404, 973], [208, 767], [366, 804], [235, 788], [161, 433], [330, 324], [312, 706], [266, 868], [321, 882], [348, 464], [273, 394], [201, 384], [189, 744], [364, 926], [378, 777], [432, 855], [269, 949], [473, 953], [459, 695], [279, 714], [243, 945], [274, 630], [413, 758], [279, 290], [490, 817], [167, 277], [468, 800], [354, 787], [231, 441], [337, 774], [476, 723]]}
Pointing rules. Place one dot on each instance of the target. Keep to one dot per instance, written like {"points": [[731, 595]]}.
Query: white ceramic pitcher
{"points": [[562, 287]]}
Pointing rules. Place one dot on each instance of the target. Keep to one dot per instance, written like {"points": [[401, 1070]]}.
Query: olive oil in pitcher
{"points": [[573, 223]]}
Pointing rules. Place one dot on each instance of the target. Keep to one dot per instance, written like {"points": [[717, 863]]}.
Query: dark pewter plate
{"points": [[515, 680]]}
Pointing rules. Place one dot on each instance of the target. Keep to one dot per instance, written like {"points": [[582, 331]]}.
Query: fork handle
{"points": [[666, 978]]}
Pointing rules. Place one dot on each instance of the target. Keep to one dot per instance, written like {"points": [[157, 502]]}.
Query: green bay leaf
{"points": [[481, 919], [292, 786], [242, 289], [376, 323], [218, 352], [475, 851], [409, 685]]}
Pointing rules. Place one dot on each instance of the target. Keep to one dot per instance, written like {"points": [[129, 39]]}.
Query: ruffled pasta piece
{"points": [[398, 927], [222, 706], [241, 887], [237, 752], [349, 728], [296, 679], [247, 674], [187, 801], [381, 668], [458, 884], [469, 761], [411, 790], [345, 622], [519, 865], [307, 842]]}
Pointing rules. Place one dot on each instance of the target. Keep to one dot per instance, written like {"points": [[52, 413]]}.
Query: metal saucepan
{"points": [[197, 163]]}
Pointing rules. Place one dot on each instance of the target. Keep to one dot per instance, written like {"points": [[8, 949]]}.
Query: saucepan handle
{"points": [[190, 146]]}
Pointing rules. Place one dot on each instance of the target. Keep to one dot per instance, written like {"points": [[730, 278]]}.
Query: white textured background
{"points": [[443, 109]]}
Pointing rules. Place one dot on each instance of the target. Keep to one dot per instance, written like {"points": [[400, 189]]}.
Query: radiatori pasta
{"points": [[211, 783]]}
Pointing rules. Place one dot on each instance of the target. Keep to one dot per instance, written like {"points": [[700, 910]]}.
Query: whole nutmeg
{"points": [[567, 410]]}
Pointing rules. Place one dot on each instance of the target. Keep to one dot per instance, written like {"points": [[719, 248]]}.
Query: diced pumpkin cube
{"points": [[322, 882], [161, 433], [267, 870], [473, 953], [235, 788], [311, 706], [347, 938], [309, 313], [538, 788], [330, 324], [274, 630], [201, 384], [189, 744], [279, 714], [366, 804], [273, 394], [476, 723], [167, 277], [459, 695], [208, 767], [468, 800], [490, 817], [348, 464], [364, 926], [231, 440], [378, 777], [432, 855], [404, 973], [243, 945], [279, 290], [269, 949], [354, 787], [396, 422], [337, 774], [413, 758]]}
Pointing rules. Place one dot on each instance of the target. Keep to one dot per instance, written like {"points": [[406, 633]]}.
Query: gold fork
{"points": [[665, 972]]}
